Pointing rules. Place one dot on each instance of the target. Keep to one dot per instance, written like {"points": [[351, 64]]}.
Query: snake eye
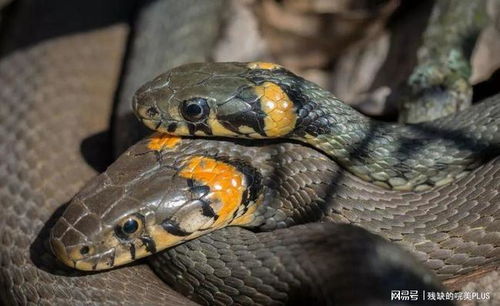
{"points": [[84, 250], [128, 227], [195, 109]]}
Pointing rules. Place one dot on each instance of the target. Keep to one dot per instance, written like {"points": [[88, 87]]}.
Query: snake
{"points": [[64, 59], [182, 202], [60, 64], [106, 225], [212, 185], [33, 145], [263, 100]]}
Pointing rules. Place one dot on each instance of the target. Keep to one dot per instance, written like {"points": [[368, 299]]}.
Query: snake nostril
{"points": [[152, 111], [84, 250]]}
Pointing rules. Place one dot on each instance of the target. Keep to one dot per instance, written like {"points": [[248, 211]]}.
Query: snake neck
{"points": [[344, 134], [393, 156]]}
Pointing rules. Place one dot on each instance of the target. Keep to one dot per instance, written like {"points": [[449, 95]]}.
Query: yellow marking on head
{"points": [[164, 239], [280, 111], [227, 184], [247, 217], [218, 129], [74, 254], [84, 265], [244, 129], [123, 255], [160, 141], [250, 132], [181, 130], [104, 264], [263, 65], [60, 252], [200, 133]]}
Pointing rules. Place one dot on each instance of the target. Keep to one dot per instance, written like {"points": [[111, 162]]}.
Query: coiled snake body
{"points": [[179, 189], [28, 273]]}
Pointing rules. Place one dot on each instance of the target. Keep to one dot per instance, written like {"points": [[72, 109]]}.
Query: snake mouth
{"points": [[151, 124], [59, 251], [98, 261], [164, 125]]}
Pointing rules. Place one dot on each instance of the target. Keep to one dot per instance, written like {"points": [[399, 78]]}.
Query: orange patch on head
{"points": [[227, 184], [161, 140], [280, 111], [263, 65]]}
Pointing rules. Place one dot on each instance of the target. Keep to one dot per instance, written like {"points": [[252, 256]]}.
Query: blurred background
{"points": [[363, 51]]}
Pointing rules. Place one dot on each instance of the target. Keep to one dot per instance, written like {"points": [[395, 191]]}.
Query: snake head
{"points": [[248, 100], [153, 197]]}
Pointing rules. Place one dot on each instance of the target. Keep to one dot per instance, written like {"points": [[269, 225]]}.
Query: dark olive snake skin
{"points": [[29, 273], [73, 76], [452, 229], [243, 262], [261, 100], [51, 74], [268, 268]]}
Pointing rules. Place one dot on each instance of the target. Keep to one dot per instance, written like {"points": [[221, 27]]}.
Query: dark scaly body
{"points": [[59, 67], [285, 184], [30, 194], [261, 100], [53, 76], [453, 229], [308, 266]]}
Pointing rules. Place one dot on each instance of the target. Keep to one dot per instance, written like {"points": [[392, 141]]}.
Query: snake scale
{"points": [[426, 223], [29, 196], [35, 58], [262, 100]]}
